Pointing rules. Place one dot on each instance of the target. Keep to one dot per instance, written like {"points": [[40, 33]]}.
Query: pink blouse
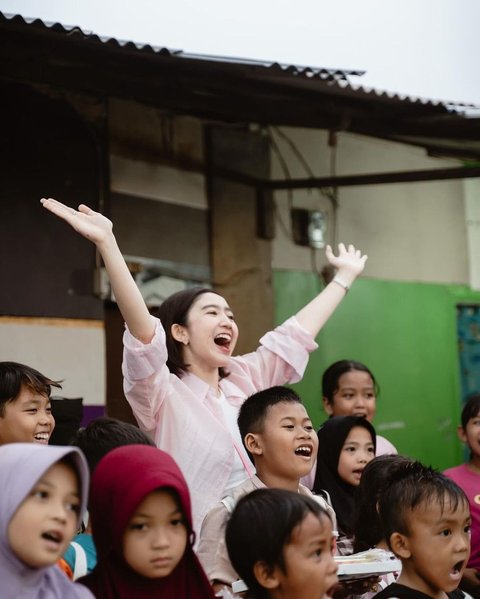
{"points": [[184, 416]]}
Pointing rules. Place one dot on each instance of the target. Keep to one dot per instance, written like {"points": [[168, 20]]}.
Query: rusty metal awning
{"points": [[230, 90]]}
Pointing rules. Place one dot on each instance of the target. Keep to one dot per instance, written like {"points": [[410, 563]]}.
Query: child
{"points": [[281, 544], [367, 528], [25, 410], [278, 435], [95, 440], [467, 476], [426, 519], [345, 446], [350, 389], [44, 492], [174, 367], [142, 528]]}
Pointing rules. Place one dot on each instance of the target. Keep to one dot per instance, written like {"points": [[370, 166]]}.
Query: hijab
{"points": [[121, 481], [331, 439], [21, 466]]}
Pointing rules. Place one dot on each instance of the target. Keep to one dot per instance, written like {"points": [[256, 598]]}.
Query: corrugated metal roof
{"points": [[325, 74], [337, 78], [230, 90]]}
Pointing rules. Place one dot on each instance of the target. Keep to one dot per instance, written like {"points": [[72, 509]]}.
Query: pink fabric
{"points": [[470, 482], [183, 414], [384, 447]]}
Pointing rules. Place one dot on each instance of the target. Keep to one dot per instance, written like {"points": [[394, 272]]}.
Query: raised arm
{"points": [[349, 264], [98, 229]]}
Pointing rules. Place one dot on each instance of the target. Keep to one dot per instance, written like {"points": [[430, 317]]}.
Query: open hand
{"points": [[92, 225], [349, 260]]}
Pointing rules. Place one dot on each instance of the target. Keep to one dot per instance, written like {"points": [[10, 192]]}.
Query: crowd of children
{"points": [[208, 492]]}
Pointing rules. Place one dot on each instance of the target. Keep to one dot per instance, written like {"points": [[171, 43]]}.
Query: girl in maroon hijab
{"points": [[142, 528]]}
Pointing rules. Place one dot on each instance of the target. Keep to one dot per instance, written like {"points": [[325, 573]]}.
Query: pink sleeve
{"points": [[281, 358], [145, 375]]}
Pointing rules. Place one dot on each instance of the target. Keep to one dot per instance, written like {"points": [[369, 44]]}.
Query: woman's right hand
{"points": [[98, 229], [92, 225]]}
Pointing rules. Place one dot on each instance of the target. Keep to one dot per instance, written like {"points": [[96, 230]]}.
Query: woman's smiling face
{"points": [[210, 334]]}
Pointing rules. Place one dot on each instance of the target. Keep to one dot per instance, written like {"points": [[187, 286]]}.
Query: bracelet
{"points": [[341, 283]]}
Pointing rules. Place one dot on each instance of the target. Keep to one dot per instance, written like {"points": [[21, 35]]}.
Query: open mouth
{"points": [[41, 437], [223, 340], [304, 451], [456, 571], [53, 537]]}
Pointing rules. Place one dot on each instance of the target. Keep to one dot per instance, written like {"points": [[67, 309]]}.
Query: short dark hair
{"points": [[367, 527], [414, 485], [15, 376], [252, 414], [103, 434], [174, 310], [471, 409], [259, 528], [333, 373]]}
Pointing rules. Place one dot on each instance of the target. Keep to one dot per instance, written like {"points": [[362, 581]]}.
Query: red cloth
{"points": [[121, 481]]}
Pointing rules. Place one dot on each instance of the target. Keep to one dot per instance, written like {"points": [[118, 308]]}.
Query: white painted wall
{"points": [[157, 182], [72, 350], [472, 206], [411, 231]]}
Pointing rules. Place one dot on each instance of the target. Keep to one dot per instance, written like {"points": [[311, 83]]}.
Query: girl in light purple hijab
{"points": [[43, 495]]}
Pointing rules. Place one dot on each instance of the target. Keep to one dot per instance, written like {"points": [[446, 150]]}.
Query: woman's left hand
{"points": [[349, 262]]}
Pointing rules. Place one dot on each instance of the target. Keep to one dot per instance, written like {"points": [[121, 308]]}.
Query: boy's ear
{"points": [[179, 333], [327, 406], [400, 545], [253, 444], [266, 577], [461, 433]]}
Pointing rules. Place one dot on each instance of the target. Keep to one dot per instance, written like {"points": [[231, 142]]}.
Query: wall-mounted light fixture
{"points": [[309, 227]]}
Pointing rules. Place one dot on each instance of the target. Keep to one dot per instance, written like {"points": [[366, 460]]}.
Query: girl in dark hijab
{"points": [[346, 445], [142, 529]]}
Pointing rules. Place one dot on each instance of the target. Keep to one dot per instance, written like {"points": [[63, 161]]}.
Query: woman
{"points": [[175, 367]]}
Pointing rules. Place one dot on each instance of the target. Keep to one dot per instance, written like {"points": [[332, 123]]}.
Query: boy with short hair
{"points": [[426, 519], [281, 544], [25, 409], [279, 438], [467, 476]]}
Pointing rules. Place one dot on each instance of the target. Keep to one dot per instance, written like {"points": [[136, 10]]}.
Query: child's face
{"points": [[355, 396], [310, 570], [288, 443], [438, 547], [27, 419], [46, 521], [156, 536], [356, 452], [471, 435]]}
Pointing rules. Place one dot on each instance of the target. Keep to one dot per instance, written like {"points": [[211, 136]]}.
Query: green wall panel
{"points": [[406, 334]]}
